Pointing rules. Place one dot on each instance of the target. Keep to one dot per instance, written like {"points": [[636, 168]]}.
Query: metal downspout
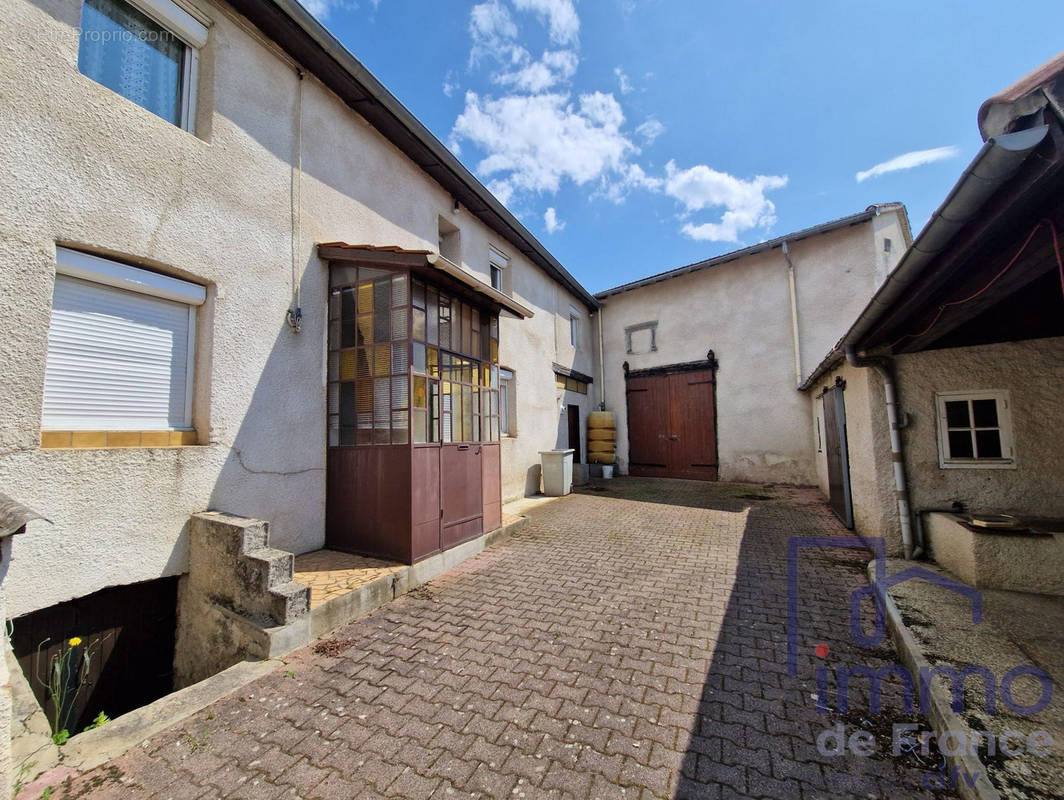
{"points": [[794, 317], [602, 369], [901, 486]]}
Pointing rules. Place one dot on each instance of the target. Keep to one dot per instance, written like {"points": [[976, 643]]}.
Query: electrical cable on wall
{"points": [[295, 312], [942, 308]]}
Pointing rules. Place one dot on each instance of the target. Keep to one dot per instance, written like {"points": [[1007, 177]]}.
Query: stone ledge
{"points": [[943, 717]]}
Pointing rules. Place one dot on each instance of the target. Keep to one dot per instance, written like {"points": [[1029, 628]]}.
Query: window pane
{"points": [[445, 322], [381, 306], [988, 443], [347, 405], [364, 364], [400, 392], [382, 410], [347, 365], [382, 362], [433, 322], [365, 330], [399, 291], [365, 298], [467, 414], [960, 444], [419, 324], [400, 427], [957, 414], [399, 322], [419, 357], [434, 362], [419, 294], [420, 392], [984, 413], [400, 357], [130, 54], [333, 402], [419, 426], [347, 319]]}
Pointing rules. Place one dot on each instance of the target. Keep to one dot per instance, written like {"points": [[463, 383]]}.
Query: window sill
{"points": [[96, 440], [978, 464]]}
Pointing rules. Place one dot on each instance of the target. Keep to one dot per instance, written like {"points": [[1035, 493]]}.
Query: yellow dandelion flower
{"points": [[75, 641]]}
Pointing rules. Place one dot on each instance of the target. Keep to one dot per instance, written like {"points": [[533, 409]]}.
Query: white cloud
{"points": [[650, 130], [623, 83], [562, 21], [744, 202], [551, 221], [450, 83], [916, 158], [553, 67], [493, 31], [533, 143]]}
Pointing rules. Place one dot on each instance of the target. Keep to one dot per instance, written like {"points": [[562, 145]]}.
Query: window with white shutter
{"points": [[120, 347]]}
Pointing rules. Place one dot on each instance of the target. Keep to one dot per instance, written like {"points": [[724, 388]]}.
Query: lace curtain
{"points": [[129, 53]]}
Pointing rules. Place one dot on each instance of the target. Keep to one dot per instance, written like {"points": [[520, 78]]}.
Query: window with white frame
{"points": [[507, 402], [974, 429], [146, 51], [121, 347], [574, 327], [497, 266]]}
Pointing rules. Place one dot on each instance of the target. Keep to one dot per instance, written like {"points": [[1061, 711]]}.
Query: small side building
{"points": [[966, 336], [701, 363]]}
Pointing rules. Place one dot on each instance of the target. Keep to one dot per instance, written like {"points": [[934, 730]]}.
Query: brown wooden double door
{"points": [[672, 427]]}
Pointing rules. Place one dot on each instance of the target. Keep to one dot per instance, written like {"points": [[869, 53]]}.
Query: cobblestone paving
{"points": [[627, 643]]}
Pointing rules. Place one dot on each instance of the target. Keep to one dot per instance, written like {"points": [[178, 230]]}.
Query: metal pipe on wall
{"points": [[602, 369], [794, 316], [901, 486]]}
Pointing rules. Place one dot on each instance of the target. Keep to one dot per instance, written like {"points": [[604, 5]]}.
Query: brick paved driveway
{"points": [[626, 643]]}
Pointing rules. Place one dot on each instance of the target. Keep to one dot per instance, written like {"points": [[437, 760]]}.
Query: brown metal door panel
{"points": [[573, 413], [836, 456], [692, 428], [491, 479], [462, 493], [425, 501], [368, 501], [648, 417]]}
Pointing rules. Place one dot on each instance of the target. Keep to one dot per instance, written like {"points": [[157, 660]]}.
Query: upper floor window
{"points": [[497, 265], [146, 51], [120, 347], [974, 429], [574, 327]]}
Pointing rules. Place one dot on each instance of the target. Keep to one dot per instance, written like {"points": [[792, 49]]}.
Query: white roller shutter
{"points": [[117, 359]]}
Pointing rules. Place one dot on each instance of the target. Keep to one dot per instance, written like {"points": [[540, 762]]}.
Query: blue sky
{"points": [[633, 136]]}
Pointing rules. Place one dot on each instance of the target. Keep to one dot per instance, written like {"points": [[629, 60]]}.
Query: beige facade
{"points": [[740, 308], [88, 169], [875, 510], [1032, 373]]}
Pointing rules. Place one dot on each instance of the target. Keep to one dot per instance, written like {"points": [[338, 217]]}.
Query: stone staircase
{"points": [[239, 599]]}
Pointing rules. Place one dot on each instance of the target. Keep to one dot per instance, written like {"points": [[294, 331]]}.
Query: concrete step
{"points": [[289, 601], [272, 567]]}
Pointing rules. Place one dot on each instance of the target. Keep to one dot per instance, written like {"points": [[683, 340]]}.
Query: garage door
{"points": [[672, 427]]}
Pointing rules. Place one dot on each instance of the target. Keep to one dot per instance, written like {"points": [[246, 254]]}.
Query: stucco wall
{"points": [[741, 310], [1033, 373], [85, 167], [875, 510]]}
